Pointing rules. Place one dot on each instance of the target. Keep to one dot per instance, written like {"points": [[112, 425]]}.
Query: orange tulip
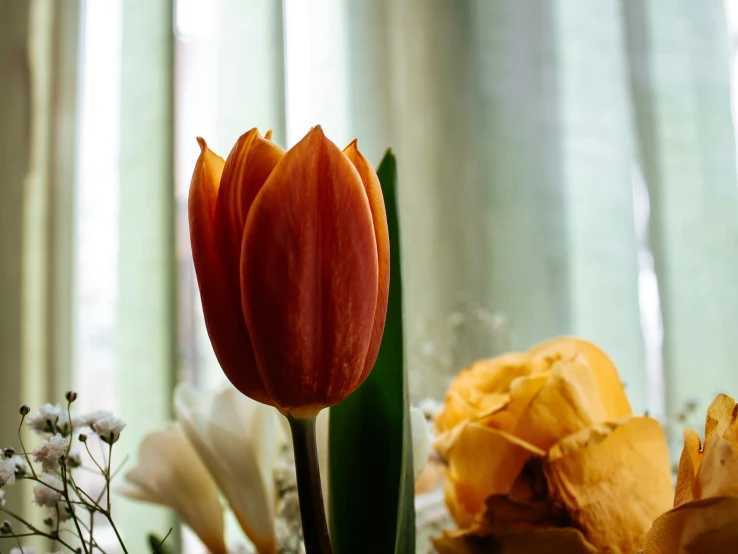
{"points": [[291, 251]]}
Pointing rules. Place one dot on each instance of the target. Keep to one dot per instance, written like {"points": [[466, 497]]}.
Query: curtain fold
{"points": [[145, 347], [522, 130], [38, 61], [680, 83]]}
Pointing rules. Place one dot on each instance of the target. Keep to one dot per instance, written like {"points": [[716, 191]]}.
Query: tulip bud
{"points": [[291, 251]]}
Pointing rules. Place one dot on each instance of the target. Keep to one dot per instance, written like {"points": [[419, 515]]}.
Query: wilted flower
{"points": [[49, 452], [546, 441], [705, 513], [170, 473], [7, 472], [46, 493], [291, 252], [238, 439], [50, 418]]}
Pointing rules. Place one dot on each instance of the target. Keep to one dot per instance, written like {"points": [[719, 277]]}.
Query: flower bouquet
{"points": [[298, 263]]}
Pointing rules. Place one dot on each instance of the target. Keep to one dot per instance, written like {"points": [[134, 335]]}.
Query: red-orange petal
{"points": [[381, 233], [309, 277], [246, 169], [223, 317]]}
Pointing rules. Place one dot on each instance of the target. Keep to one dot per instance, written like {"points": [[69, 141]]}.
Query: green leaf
{"points": [[371, 462], [160, 545]]}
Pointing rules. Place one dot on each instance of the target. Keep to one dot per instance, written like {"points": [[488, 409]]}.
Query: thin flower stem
{"points": [[107, 494], [71, 510], [107, 474], [92, 527], [35, 531], [309, 491], [93, 458], [115, 529], [25, 453]]}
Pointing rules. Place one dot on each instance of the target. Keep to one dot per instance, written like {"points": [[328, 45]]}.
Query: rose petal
{"points": [[538, 541], [718, 473], [703, 526], [689, 464], [567, 402], [614, 480], [481, 462], [481, 389], [718, 415], [522, 391], [610, 389]]}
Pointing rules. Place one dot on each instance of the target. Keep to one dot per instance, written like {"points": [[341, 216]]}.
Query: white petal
{"points": [[238, 439], [170, 473], [421, 440]]}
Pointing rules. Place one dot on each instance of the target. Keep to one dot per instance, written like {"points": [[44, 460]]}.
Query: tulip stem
{"points": [[310, 493]]}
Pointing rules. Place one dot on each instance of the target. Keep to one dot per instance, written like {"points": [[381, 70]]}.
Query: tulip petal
{"points": [[610, 389], [703, 526], [614, 479], [247, 167], [689, 464], [223, 318], [238, 440], [170, 473], [534, 541], [481, 462], [309, 277], [381, 233]]}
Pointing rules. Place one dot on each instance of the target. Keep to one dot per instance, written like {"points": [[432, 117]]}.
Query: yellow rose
{"points": [[705, 513], [546, 441]]}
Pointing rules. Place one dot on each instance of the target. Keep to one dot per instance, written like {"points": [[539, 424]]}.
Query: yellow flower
{"points": [[705, 513], [546, 441]]}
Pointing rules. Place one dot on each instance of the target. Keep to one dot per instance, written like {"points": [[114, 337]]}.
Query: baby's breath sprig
{"points": [[51, 466]]}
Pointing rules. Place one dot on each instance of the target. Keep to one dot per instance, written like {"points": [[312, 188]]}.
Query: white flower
{"points": [[49, 419], [44, 495], [170, 473], [24, 550], [88, 420], [49, 452], [7, 472], [239, 440], [21, 465], [65, 513], [109, 428], [421, 440]]}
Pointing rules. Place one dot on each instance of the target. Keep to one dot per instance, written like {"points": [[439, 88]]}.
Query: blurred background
{"points": [[565, 167]]}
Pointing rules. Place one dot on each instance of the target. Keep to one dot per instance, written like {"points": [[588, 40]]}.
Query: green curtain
{"points": [[522, 130]]}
